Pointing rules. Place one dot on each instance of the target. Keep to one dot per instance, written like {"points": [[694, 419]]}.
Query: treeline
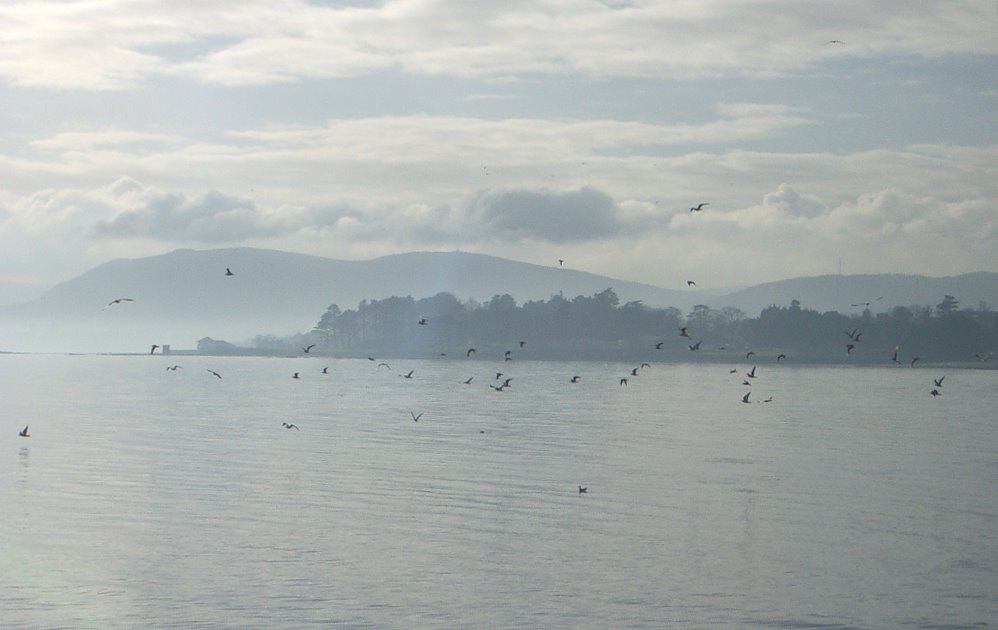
{"points": [[599, 327]]}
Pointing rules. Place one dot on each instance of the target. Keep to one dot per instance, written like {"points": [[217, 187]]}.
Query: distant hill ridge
{"points": [[185, 294]]}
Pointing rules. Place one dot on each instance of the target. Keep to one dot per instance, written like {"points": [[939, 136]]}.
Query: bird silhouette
{"points": [[781, 356], [935, 393], [289, 425], [749, 353], [117, 301], [699, 207], [623, 381], [384, 365], [295, 375], [683, 333], [24, 432], [690, 283], [634, 372], [153, 348], [849, 348], [834, 41], [745, 397], [422, 321], [938, 381], [468, 382], [658, 346], [308, 348], [174, 368], [228, 272], [574, 379], [583, 490], [325, 370], [696, 346], [216, 374], [913, 361], [523, 343], [415, 417], [751, 373], [561, 262], [470, 352], [408, 375]]}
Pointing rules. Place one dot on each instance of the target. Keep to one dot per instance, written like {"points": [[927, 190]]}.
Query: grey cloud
{"points": [[795, 203], [558, 217]]}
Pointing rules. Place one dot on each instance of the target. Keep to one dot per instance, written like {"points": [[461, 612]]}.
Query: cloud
{"points": [[118, 44], [556, 217]]}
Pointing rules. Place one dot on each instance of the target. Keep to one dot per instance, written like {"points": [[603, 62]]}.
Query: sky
{"points": [[849, 136]]}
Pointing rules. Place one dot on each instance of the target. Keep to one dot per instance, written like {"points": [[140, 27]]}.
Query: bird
{"points": [[745, 397], [634, 372], [935, 393], [744, 382], [696, 346], [415, 417], [913, 361], [383, 364], [498, 374], [422, 321], [698, 207], [894, 358], [174, 368], [216, 374], [308, 348], [583, 489], [749, 353], [24, 432], [623, 381], [409, 375], [289, 425], [470, 352], [153, 348], [658, 346], [561, 262], [468, 382], [732, 371], [683, 333], [295, 375], [523, 343], [644, 365], [938, 381], [781, 356], [228, 272], [770, 399], [506, 383], [834, 41], [575, 379], [849, 348], [117, 301], [498, 388], [751, 374], [325, 370], [690, 283]]}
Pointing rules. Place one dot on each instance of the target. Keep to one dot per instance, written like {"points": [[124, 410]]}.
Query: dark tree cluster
{"points": [[600, 327]]}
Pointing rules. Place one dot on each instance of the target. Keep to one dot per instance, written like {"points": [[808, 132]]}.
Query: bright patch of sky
{"points": [[853, 131]]}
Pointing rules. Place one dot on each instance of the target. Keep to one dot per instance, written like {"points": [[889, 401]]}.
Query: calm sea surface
{"points": [[174, 499]]}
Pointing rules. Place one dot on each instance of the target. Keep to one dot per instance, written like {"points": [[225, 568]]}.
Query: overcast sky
{"points": [[533, 129]]}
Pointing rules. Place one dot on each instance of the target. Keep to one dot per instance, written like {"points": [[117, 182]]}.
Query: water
{"points": [[149, 498]]}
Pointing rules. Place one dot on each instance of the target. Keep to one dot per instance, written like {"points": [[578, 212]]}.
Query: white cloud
{"points": [[114, 44]]}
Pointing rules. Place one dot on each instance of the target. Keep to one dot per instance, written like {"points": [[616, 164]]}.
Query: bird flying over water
{"points": [[935, 393], [834, 41], [415, 417], [24, 432], [699, 207], [325, 370], [153, 348], [696, 346], [468, 382], [523, 343], [623, 381], [295, 375], [173, 368], [308, 348], [583, 490], [913, 361], [216, 374], [117, 301], [683, 333], [745, 398], [781, 356], [938, 381], [470, 352], [749, 353], [422, 321], [290, 425], [574, 379], [849, 348], [409, 375], [751, 374], [690, 283], [228, 272], [658, 346]]}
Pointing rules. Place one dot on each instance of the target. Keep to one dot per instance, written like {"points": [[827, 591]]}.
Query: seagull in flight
{"points": [[583, 489], [575, 379], [523, 343], [935, 393], [751, 374], [658, 346], [290, 425], [24, 432], [409, 375], [690, 283], [745, 398], [174, 368], [913, 361], [781, 356], [415, 417], [849, 348], [153, 348], [228, 272], [117, 301], [938, 381], [325, 370], [699, 207], [749, 353], [422, 321], [216, 374], [834, 41], [308, 348], [383, 364], [561, 262], [468, 382], [696, 346], [470, 352], [682, 332]]}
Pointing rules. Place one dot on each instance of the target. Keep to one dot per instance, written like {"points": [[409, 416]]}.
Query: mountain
{"points": [[185, 295], [849, 294]]}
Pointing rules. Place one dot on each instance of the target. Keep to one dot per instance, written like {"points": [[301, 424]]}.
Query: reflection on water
{"points": [[155, 498]]}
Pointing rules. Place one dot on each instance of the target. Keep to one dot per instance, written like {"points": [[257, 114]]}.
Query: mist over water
{"points": [[167, 499]]}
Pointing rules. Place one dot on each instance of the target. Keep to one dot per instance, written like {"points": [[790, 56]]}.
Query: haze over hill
{"points": [[184, 295]]}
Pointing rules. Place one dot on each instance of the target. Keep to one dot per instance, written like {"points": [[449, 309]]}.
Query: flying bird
{"points": [[216, 374], [834, 41], [938, 381], [699, 207], [690, 283], [749, 353], [470, 352], [325, 370], [696, 346], [745, 398], [634, 372], [228, 272], [153, 348], [468, 382], [422, 321], [683, 333], [849, 348], [117, 301], [24, 432], [523, 343], [384, 365], [751, 374], [561, 262], [913, 361], [658, 346], [781, 356], [935, 393], [415, 417], [295, 375], [583, 490], [623, 381], [290, 425], [308, 348], [575, 379], [409, 375], [174, 368]]}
